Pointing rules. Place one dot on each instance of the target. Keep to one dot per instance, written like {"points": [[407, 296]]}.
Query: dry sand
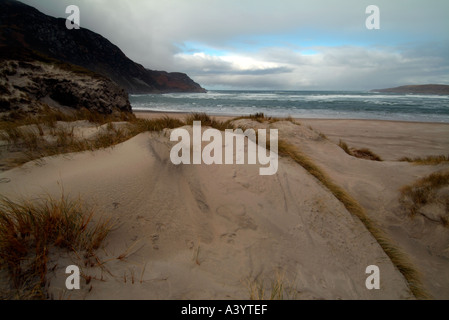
{"points": [[392, 140], [212, 232]]}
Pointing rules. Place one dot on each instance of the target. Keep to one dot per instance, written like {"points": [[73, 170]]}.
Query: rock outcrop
{"points": [[26, 32], [27, 86]]}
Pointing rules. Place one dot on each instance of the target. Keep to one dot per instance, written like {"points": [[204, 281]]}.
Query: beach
{"points": [[224, 231], [391, 139]]}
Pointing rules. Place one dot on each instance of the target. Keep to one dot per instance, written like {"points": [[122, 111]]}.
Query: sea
{"points": [[302, 104]]}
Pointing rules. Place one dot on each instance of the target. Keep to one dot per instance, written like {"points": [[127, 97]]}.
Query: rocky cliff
{"points": [[26, 87], [25, 32]]}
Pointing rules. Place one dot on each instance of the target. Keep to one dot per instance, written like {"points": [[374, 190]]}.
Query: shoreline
{"points": [[390, 139], [149, 114]]}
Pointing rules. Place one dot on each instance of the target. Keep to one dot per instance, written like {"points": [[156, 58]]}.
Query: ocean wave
{"points": [[341, 105]]}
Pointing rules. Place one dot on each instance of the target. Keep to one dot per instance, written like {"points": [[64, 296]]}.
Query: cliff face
{"points": [[26, 31], [28, 86]]}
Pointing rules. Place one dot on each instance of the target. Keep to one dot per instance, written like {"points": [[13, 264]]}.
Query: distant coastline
{"points": [[439, 89]]}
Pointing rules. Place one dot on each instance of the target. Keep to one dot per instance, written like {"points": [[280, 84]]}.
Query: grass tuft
{"points": [[166, 122], [363, 153], [49, 116], [261, 118], [429, 160], [322, 136], [51, 133], [208, 121], [423, 192], [278, 289], [345, 147], [29, 230]]}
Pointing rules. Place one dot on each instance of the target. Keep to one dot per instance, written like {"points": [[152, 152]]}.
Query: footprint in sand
{"points": [[237, 214], [228, 237], [154, 241]]}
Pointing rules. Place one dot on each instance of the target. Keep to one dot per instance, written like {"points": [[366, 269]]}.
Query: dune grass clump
{"points": [[322, 136], [398, 258], [345, 147], [31, 229], [429, 160], [52, 132], [101, 118], [208, 121], [50, 116], [258, 116], [261, 118], [259, 291], [423, 192], [158, 124], [60, 140], [363, 153], [105, 139], [279, 289]]}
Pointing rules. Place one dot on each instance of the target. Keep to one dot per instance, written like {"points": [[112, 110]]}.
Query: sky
{"points": [[276, 45]]}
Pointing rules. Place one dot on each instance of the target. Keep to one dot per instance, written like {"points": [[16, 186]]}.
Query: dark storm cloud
{"points": [[286, 44]]}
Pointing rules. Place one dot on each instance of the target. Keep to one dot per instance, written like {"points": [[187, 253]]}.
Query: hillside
{"points": [[418, 89], [29, 34]]}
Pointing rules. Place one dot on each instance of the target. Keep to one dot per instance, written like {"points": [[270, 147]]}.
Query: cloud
{"points": [[333, 68], [203, 64], [288, 44]]}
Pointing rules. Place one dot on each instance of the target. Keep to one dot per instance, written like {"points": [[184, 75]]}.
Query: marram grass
{"points": [[423, 192], [429, 160], [363, 153], [30, 230]]}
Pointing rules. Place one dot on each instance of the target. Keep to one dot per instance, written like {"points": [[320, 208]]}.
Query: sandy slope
{"points": [[375, 185], [198, 231], [392, 140]]}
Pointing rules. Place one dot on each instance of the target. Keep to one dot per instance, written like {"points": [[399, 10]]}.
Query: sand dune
{"points": [[375, 185], [212, 232]]}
